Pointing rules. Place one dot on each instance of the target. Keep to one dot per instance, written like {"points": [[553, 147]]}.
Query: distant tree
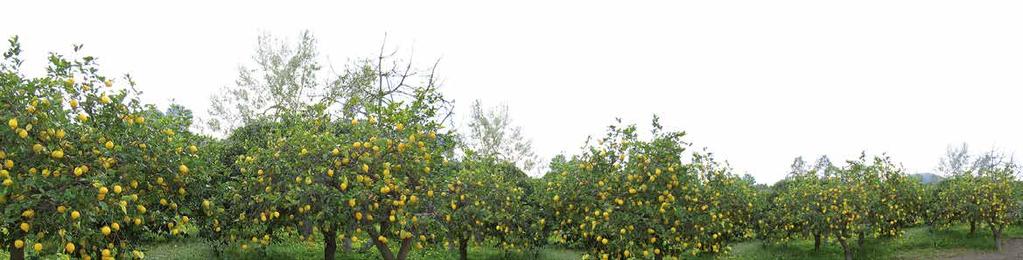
{"points": [[283, 79], [286, 77], [823, 166], [956, 161], [491, 134], [799, 166]]}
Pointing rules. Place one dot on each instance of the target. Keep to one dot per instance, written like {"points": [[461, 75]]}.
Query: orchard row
{"points": [[90, 172]]}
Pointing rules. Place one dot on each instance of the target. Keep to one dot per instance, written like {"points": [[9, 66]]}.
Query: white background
{"points": [[757, 82]]}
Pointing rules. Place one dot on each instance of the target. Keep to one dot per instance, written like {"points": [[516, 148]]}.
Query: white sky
{"points": [[757, 82]]}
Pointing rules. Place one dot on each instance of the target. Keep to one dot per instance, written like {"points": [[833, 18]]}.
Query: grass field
{"points": [[917, 243]]}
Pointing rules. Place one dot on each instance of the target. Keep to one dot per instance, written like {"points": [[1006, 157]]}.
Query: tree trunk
{"points": [[329, 244], [404, 249], [385, 252], [846, 249], [16, 253], [817, 242], [463, 248], [997, 233], [973, 227]]}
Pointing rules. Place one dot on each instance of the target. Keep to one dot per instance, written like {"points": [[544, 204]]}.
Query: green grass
{"points": [[199, 250], [916, 243]]}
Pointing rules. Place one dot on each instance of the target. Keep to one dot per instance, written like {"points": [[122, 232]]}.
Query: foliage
{"points": [[88, 170], [986, 192], [628, 197], [487, 199], [862, 199]]}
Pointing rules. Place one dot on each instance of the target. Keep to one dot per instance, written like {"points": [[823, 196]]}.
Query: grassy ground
{"points": [[196, 250], [916, 243]]}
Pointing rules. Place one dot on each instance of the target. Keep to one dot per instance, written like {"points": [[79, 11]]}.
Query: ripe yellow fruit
{"points": [[61, 209], [351, 202], [103, 98], [74, 103], [365, 168], [140, 120], [19, 244], [118, 189], [109, 145], [29, 213], [141, 209], [82, 117], [108, 83], [75, 214], [105, 230], [103, 190], [193, 149], [8, 182], [69, 247], [183, 169], [115, 226], [358, 215], [25, 226], [385, 189], [58, 154], [12, 123], [38, 247]]}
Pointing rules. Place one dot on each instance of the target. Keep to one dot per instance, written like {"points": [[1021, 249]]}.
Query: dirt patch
{"points": [[1012, 249]]}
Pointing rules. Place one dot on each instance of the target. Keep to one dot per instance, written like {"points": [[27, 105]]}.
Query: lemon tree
{"points": [[629, 198], [486, 200], [366, 176], [88, 169], [865, 198], [987, 192]]}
